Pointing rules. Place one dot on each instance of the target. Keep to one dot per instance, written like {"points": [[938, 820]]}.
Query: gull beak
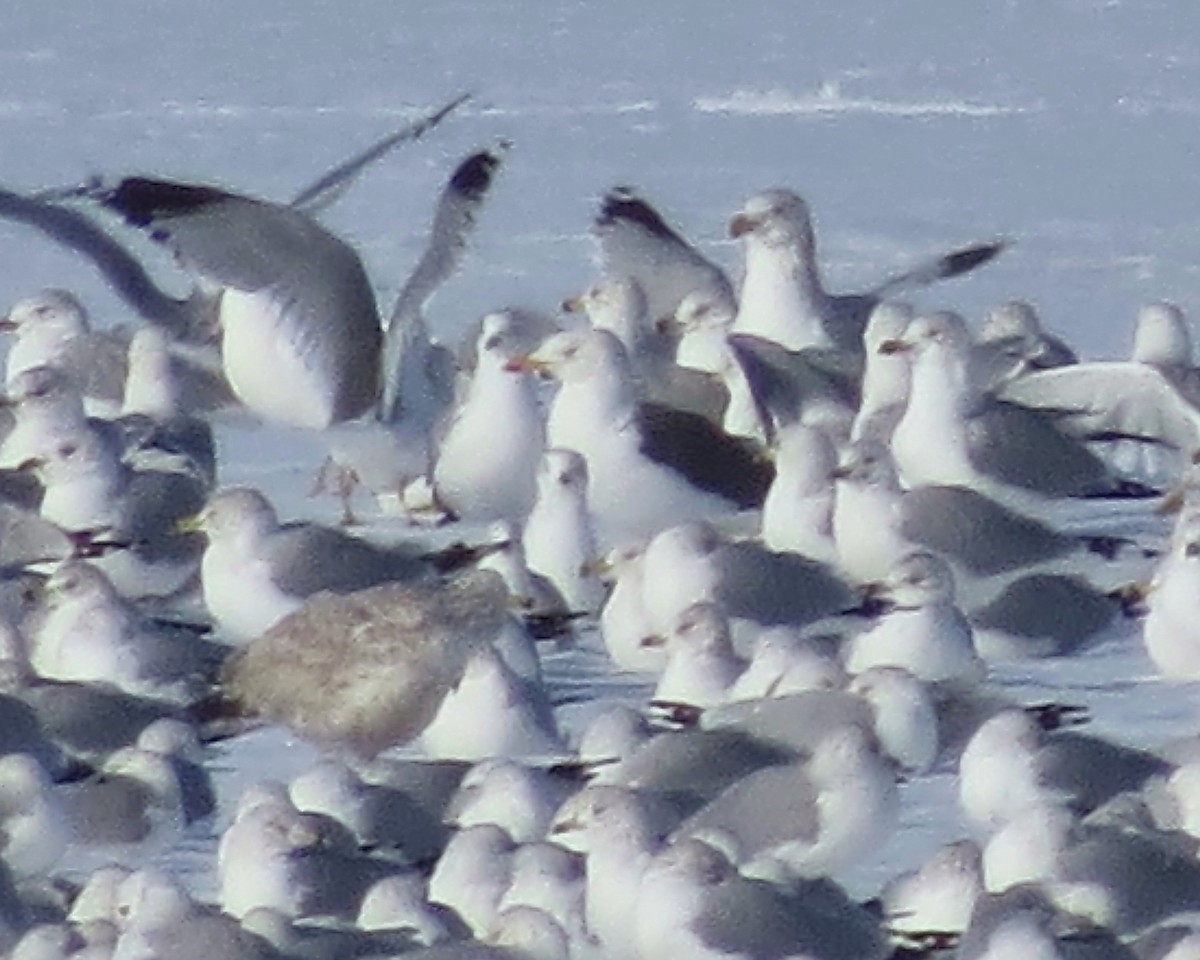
{"points": [[527, 363], [741, 224], [194, 523], [654, 641], [8, 324], [31, 464], [894, 346], [841, 472], [1171, 503], [572, 305], [597, 567]]}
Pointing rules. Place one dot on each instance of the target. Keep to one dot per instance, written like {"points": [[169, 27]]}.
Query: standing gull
{"points": [[782, 297], [649, 466]]}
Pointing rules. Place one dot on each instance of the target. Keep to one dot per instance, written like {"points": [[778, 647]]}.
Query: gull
{"points": [[797, 514], [46, 409], [86, 631], [490, 711], [1151, 400], [694, 901], [558, 536], [300, 864], [954, 433], [876, 522], [843, 804], [1169, 630], [1012, 342], [379, 816], [398, 444], [256, 570], [380, 683], [649, 466], [34, 828], [702, 665], [52, 328], [487, 460], [550, 880], [88, 490], [886, 376], [691, 562], [520, 798], [1010, 765], [635, 242], [624, 619], [472, 874], [921, 629], [401, 902], [619, 305], [782, 298], [938, 896]]}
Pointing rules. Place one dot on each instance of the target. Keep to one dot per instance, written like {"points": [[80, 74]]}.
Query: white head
{"points": [[1162, 336]]}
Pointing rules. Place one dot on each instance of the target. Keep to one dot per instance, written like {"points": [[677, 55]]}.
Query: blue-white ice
{"points": [[1068, 126]]}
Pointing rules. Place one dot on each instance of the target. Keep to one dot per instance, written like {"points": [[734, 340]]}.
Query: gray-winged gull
{"points": [[256, 569], [953, 432], [649, 466], [559, 537], [702, 665], [782, 296], [473, 873], [34, 829], [797, 514], [1012, 342], [369, 669], [921, 629], [487, 460]]}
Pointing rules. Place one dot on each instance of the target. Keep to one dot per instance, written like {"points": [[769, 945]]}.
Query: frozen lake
{"points": [[1068, 126]]}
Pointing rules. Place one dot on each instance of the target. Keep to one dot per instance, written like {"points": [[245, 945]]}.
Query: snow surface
{"points": [[1069, 126]]}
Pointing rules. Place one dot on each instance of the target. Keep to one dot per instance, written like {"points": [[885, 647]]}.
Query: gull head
{"points": [[50, 310], [776, 218], [919, 579], [1162, 336], [576, 355], [232, 514]]}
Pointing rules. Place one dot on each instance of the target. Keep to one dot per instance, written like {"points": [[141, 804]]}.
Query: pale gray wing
{"points": [[1022, 447], [97, 365], [755, 918], [453, 221], [779, 588], [308, 558], [769, 807], [316, 280], [636, 242], [26, 538], [1088, 771], [186, 319], [329, 187], [1052, 611], [948, 265], [1109, 399], [976, 532], [796, 722]]}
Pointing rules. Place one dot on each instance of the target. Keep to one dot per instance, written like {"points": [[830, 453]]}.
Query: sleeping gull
{"points": [[34, 829], [782, 297], [1013, 342], [702, 665], [369, 669]]}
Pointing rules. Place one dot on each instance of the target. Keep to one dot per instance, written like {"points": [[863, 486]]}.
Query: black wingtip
{"points": [[621, 204], [475, 174], [968, 258], [142, 200]]}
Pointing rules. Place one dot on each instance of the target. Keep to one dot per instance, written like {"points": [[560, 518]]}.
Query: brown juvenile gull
{"points": [[369, 669]]}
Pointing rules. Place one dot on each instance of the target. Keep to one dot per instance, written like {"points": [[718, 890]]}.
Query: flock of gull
{"points": [[805, 524]]}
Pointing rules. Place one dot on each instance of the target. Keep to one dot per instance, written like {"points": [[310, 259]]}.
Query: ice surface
{"points": [[1066, 125]]}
